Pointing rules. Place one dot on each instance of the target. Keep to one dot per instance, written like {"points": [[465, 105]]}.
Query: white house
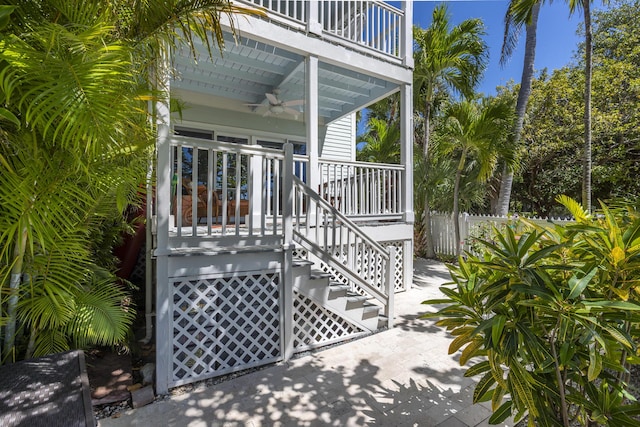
{"points": [[269, 237]]}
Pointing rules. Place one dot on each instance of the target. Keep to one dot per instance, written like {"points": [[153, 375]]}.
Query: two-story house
{"points": [[269, 237]]}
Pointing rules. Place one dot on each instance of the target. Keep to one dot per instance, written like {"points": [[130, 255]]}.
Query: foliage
{"points": [[549, 319], [475, 132], [75, 142], [380, 143], [448, 59], [553, 130]]}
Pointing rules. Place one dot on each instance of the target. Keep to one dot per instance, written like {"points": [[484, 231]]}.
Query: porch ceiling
{"points": [[247, 70]]}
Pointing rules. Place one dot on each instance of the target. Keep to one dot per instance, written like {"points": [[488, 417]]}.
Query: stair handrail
{"points": [[383, 254]]}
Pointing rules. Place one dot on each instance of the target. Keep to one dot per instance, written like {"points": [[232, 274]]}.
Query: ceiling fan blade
{"points": [[272, 98], [291, 111], [293, 103], [254, 105]]}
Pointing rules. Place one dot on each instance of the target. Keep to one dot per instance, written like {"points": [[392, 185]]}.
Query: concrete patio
{"points": [[400, 377]]}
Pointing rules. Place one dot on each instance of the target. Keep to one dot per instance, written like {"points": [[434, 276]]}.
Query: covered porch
{"points": [[269, 237]]}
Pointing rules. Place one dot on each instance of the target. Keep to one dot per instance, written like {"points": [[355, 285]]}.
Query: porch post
{"points": [[311, 112], [164, 346], [287, 265], [406, 149], [407, 33], [314, 26]]}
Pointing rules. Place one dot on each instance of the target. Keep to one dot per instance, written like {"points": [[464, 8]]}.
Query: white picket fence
{"points": [[472, 227]]}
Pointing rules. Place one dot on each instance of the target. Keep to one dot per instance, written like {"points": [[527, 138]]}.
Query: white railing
{"points": [[359, 189], [374, 24], [293, 9], [338, 242], [472, 227], [226, 201]]}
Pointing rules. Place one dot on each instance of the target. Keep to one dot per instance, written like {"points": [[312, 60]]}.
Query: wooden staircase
{"points": [[340, 299]]}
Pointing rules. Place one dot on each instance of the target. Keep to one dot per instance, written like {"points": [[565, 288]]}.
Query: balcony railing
{"points": [[365, 190], [370, 23], [374, 24], [221, 189]]}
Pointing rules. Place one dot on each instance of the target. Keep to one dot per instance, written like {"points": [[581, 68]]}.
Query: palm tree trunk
{"points": [[456, 206], [521, 107], [586, 174], [427, 236], [12, 303]]}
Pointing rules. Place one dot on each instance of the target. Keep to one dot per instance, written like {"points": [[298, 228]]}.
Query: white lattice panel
{"points": [[314, 325], [224, 324], [398, 280]]}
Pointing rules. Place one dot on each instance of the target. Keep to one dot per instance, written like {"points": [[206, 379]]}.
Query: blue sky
{"points": [[557, 39]]}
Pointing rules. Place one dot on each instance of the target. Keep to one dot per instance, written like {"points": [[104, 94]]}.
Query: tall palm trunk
{"points": [[521, 107], [586, 173], [12, 303], [456, 205], [427, 236]]}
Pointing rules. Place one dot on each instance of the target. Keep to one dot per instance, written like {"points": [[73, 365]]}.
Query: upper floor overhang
{"points": [[261, 69]]}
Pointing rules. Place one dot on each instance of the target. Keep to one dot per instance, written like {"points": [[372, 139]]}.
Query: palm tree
{"points": [[74, 145], [522, 10], [447, 59], [381, 142], [475, 130], [513, 26]]}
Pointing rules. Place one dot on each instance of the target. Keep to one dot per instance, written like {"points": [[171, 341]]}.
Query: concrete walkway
{"points": [[400, 377]]}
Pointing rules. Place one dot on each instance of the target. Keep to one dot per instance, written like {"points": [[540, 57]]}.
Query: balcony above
{"points": [[370, 26], [360, 46]]}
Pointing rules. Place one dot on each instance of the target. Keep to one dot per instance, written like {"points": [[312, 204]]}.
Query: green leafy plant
{"points": [[548, 317]]}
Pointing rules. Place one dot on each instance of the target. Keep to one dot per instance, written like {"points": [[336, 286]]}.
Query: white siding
{"points": [[340, 139]]}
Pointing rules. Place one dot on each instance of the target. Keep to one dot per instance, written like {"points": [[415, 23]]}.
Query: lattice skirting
{"points": [[315, 326], [224, 324]]}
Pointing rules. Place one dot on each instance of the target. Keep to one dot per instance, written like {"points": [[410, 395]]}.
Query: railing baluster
{"points": [[225, 166], [210, 190], [194, 191], [178, 212]]}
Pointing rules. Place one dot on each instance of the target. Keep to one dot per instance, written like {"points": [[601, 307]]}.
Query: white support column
{"points": [[389, 312], [314, 26], [407, 33], [407, 264], [256, 179], [311, 112], [164, 342], [287, 264], [406, 149]]}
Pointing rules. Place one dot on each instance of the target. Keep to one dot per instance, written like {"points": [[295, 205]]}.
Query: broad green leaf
{"points": [[477, 369], [5, 11], [483, 386], [497, 328], [578, 285], [566, 353], [470, 350], [459, 341], [608, 304], [595, 363], [618, 336], [520, 385], [501, 414], [498, 397], [617, 255]]}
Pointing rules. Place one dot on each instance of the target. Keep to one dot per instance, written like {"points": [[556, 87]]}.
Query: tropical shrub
{"points": [[549, 319]]}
